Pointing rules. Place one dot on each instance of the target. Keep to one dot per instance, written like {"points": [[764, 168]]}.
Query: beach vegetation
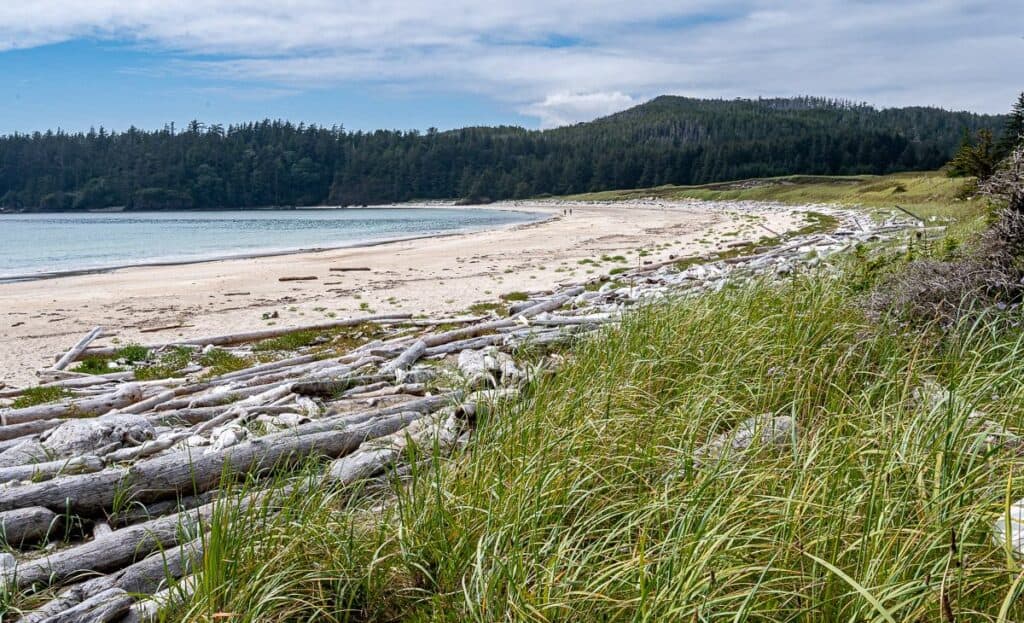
{"points": [[32, 396], [95, 365], [288, 341], [132, 353], [168, 364], [219, 361], [585, 502]]}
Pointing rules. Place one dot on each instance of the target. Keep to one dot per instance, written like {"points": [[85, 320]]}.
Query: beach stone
{"points": [[1015, 537], [762, 430], [78, 437], [225, 437]]}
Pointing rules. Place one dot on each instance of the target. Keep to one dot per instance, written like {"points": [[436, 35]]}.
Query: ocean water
{"points": [[33, 245]]}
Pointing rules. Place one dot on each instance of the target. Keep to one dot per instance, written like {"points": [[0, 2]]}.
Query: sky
{"points": [[402, 64]]}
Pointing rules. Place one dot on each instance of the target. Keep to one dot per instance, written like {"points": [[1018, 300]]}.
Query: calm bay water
{"points": [[34, 244]]}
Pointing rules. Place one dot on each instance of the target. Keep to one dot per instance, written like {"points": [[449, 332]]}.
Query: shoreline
{"points": [[441, 274], [57, 274]]}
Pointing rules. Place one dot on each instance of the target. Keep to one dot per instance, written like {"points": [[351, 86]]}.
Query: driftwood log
{"points": [[77, 349]]}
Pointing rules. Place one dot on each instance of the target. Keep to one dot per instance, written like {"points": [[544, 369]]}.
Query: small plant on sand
{"points": [[515, 296], [169, 364], [289, 341], [220, 361], [95, 365], [133, 353], [33, 396]]}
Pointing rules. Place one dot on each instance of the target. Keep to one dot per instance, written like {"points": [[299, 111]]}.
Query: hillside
{"points": [[669, 140]]}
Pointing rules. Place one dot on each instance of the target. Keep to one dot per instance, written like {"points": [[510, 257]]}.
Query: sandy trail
{"points": [[445, 274]]}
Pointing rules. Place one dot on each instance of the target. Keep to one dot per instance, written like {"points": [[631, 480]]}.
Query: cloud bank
{"points": [[563, 61]]}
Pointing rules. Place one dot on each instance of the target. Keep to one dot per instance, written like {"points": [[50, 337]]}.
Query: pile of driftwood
{"points": [[105, 494]]}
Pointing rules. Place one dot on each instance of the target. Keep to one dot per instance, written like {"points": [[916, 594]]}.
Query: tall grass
{"points": [[582, 503]]}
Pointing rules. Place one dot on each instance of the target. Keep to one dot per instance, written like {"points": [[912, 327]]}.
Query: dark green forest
{"points": [[669, 140]]}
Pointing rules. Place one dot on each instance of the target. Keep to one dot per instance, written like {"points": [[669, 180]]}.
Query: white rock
{"points": [[1016, 521]]}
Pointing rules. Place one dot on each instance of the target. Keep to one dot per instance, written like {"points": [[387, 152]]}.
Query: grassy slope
{"points": [[583, 504], [925, 194]]}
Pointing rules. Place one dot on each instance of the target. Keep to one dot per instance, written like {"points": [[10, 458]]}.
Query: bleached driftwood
{"points": [[263, 334], [188, 472], [77, 349], [26, 525], [144, 577], [89, 407], [85, 464]]}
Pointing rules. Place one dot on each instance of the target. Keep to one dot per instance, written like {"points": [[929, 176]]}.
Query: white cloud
{"points": [[566, 108], [952, 53]]}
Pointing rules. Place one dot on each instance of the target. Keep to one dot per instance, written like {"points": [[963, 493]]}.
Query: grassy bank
{"points": [[584, 504], [930, 194]]}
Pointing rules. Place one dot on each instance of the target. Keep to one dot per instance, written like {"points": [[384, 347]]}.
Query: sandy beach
{"points": [[443, 274]]}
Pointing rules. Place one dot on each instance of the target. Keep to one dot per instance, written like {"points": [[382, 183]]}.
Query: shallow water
{"points": [[37, 244]]}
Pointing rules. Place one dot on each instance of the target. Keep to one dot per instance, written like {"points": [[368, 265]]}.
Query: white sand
{"points": [[39, 319]]}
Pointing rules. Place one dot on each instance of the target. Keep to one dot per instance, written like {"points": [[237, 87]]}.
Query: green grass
{"points": [[33, 396], [95, 365], [133, 353], [515, 296], [220, 361], [582, 503], [290, 341], [926, 194], [486, 307], [169, 365]]}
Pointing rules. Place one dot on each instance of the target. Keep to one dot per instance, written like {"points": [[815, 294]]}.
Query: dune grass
{"points": [[582, 503]]}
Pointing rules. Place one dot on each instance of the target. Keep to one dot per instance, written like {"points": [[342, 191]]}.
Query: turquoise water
{"points": [[39, 244]]}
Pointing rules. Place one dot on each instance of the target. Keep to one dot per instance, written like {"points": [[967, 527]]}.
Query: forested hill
{"points": [[669, 140]]}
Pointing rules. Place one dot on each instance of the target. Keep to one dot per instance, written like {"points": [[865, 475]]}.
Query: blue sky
{"points": [[372, 64]]}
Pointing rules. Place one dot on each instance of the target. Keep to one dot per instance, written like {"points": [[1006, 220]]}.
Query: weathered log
{"points": [[303, 278], [109, 605], [27, 525], [403, 362], [471, 365], [349, 269], [362, 389], [189, 471], [148, 610], [86, 464], [375, 456], [77, 349], [78, 437], [762, 430], [266, 367], [147, 448], [137, 511], [454, 335], [14, 431], [144, 577], [551, 304], [149, 403], [469, 344], [108, 553], [411, 389], [329, 388], [89, 407]]}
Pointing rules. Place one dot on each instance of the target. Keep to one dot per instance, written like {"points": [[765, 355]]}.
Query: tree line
{"points": [[669, 140]]}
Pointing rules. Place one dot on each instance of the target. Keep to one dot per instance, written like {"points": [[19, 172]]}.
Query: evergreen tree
{"points": [[669, 140], [974, 159], [1013, 133]]}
